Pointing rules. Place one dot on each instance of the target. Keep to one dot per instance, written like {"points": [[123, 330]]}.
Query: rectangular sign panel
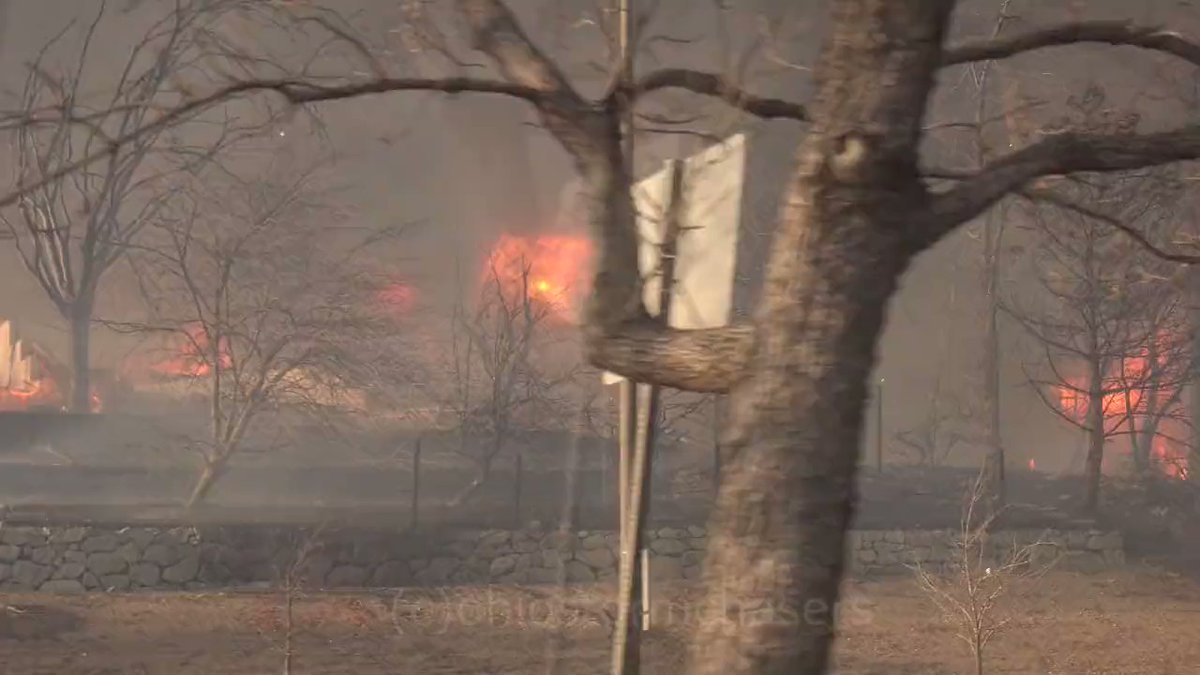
{"points": [[706, 250]]}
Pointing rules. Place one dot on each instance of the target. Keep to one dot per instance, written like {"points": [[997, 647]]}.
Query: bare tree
{"points": [[1107, 305], [71, 229], [1152, 381], [303, 545], [947, 424], [503, 379], [858, 210], [954, 415], [981, 575], [991, 235], [252, 278]]}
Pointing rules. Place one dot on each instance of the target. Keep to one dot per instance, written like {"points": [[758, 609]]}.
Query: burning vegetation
{"points": [[1138, 406], [552, 270]]}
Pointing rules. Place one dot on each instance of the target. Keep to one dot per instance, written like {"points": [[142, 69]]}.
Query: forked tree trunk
{"points": [[787, 496], [80, 320]]}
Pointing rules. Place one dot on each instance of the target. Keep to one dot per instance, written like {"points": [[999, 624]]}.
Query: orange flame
{"points": [[35, 394], [193, 358], [552, 269], [1124, 398], [41, 393]]}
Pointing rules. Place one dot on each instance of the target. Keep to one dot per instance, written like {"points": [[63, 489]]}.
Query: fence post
{"points": [[414, 514], [879, 426], [517, 491]]}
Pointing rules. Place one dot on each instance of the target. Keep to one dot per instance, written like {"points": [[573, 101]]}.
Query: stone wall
{"points": [[79, 558], [892, 551]]}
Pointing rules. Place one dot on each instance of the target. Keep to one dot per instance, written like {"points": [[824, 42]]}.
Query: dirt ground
{"points": [[1137, 622]]}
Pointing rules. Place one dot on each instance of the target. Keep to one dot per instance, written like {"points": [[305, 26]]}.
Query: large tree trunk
{"points": [[80, 320], [1194, 389], [787, 497]]}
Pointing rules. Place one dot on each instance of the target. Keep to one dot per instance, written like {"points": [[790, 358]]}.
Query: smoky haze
{"points": [[463, 170]]}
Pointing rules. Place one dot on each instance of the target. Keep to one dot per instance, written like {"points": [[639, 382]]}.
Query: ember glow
{"points": [[25, 377], [22, 384], [37, 394], [552, 269], [1125, 399], [193, 358]]}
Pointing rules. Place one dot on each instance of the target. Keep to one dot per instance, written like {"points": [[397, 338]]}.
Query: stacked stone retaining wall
{"points": [[105, 558]]}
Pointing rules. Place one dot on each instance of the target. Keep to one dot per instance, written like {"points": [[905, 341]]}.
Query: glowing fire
{"points": [[552, 269], [193, 359], [25, 376], [1125, 399], [34, 394]]}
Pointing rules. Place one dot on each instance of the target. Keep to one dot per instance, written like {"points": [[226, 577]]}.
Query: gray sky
{"points": [[471, 168]]}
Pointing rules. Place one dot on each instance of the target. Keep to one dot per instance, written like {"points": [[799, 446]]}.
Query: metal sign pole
{"points": [[627, 389], [633, 605], [627, 416]]}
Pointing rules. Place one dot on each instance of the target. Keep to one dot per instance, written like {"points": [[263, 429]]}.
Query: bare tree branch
{"points": [[294, 91], [709, 360], [709, 84], [1117, 33], [1057, 199], [1055, 155]]}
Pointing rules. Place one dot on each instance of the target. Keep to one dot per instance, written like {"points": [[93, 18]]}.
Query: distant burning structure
{"points": [[1129, 399], [24, 377], [30, 378]]}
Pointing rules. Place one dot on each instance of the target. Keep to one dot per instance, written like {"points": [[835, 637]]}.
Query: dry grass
{"points": [[1137, 622]]}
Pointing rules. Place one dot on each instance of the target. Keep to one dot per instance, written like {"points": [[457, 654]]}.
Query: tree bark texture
{"points": [[775, 559], [1194, 389]]}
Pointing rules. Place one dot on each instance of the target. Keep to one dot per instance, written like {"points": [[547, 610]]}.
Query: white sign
{"points": [[706, 249]]}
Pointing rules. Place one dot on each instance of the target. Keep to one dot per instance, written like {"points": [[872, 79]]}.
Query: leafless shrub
{"points": [[302, 545], [980, 575], [253, 279], [502, 377], [947, 424]]}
